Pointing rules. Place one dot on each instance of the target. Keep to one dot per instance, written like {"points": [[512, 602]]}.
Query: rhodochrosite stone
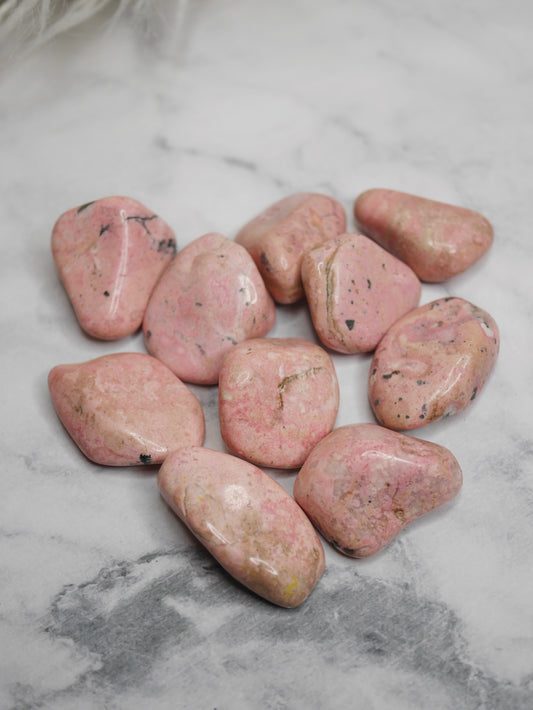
{"points": [[109, 254], [432, 363], [279, 237], [355, 291], [277, 398], [437, 240], [126, 409], [209, 299], [363, 484], [246, 520]]}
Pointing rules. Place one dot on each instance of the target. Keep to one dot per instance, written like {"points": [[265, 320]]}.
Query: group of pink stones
{"points": [[206, 311]]}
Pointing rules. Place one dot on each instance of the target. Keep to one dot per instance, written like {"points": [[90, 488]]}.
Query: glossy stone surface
{"points": [[436, 239], [109, 255], [126, 409], [363, 484], [280, 236], [210, 298], [246, 520], [277, 398], [355, 291], [432, 363]]}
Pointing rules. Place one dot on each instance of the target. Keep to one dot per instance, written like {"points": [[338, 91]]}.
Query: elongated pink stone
{"points": [[247, 521], [279, 237], [355, 291], [435, 239], [126, 409], [277, 398], [109, 255], [210, 298], [432, 363], [363, 484]]}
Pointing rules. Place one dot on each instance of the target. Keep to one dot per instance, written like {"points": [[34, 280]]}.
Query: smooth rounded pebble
{"points": [[432, 363], [279, 237], [126, 409], [109, 254], [277, 398], [210, 298], [436, 239], [246, 520], [363, 484], [355, 291]]}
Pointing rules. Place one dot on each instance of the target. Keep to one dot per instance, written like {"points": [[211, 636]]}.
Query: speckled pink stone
{"points": [[363, 484], [279, 237], [247, 521], [109, 255], [436, 239], [432, 363], [126, 409], [355, 291], [210, 298], [277, 398]]}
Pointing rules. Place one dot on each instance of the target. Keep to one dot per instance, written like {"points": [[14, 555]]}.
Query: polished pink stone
{"points": [[279, 237], [363, 484], [247, 521], [210, 298], [355, 291], [109, 255], [126, 409], [432, 363], [277, 398], [436, 239]]}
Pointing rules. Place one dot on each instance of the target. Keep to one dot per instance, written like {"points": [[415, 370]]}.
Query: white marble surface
{"points": [[105, 601]]}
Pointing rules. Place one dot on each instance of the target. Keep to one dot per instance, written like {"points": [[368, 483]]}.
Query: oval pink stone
{"points": [[279, 237], [246, 520], [437, 240], [126, 409], [210, 298], [355, 291], [432, 363], [363, 484], [109, 255], [277, 398]]}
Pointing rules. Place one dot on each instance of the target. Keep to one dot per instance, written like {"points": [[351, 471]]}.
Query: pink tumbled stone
{"points": [[210, 298], [437, 240], [363, 484], [109, 255], [126, 409], [279, 237], [246, 520], [277, 398], [432, 363], [355, 291]]}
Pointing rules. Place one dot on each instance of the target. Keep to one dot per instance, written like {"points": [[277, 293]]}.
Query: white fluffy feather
{"points": [[28, 24]]}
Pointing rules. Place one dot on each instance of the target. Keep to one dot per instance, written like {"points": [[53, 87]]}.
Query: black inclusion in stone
{"points": [[84, 207], [350, 324]]}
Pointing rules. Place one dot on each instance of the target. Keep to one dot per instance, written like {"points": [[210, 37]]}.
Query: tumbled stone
{"points": [[437, 240], [277, 398], [210, 298], [246, 520], [355, 291], [109, 255], [279, 237], [432, 363], [363, 484], [126, 409]]}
